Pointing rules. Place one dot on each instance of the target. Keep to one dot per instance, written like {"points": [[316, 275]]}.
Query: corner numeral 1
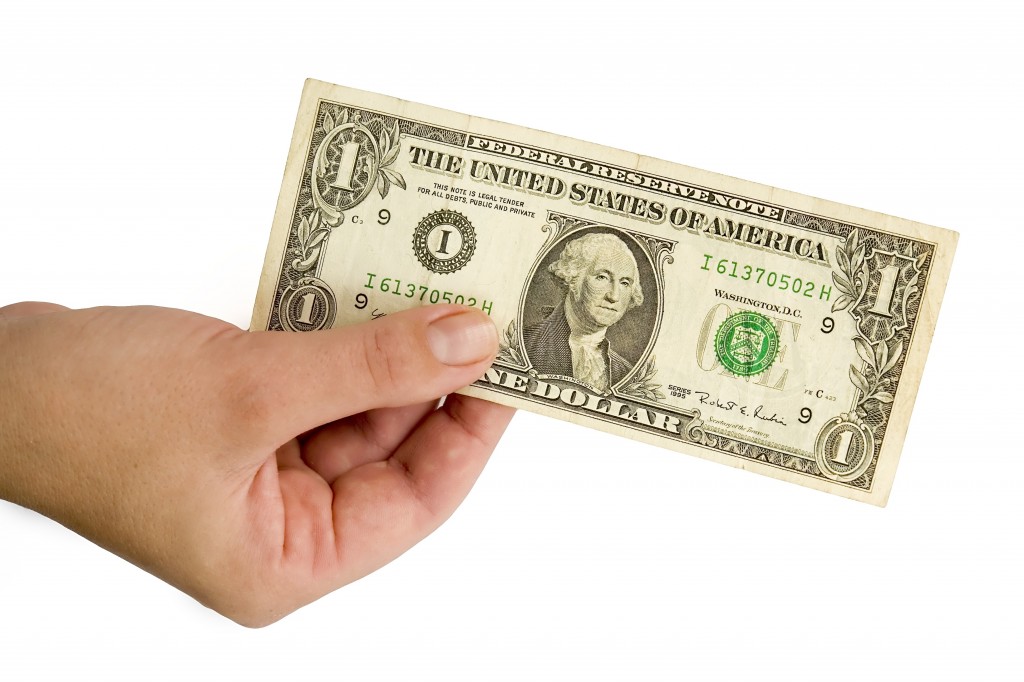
{"points": [[886, 291], [346, 166], [307, 308]]}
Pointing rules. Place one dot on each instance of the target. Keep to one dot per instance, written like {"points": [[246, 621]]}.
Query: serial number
{"points": [[422, 292], [770, 278]]}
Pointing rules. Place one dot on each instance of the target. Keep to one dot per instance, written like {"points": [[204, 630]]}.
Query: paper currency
{"points": [[713, 316]]}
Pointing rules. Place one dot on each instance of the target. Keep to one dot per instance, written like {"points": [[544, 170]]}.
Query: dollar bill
{"points": [[721, 318]]}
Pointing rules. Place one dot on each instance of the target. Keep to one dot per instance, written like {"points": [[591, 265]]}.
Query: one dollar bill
{"points": [[730, 320]]}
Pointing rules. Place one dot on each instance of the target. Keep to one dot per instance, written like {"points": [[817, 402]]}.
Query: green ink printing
{"points": [[746, 343]]}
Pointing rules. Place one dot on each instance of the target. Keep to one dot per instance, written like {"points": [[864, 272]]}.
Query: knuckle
{"points": [[385, 358], [251, 612], [249, 608], [239, 586], [28, 309]]}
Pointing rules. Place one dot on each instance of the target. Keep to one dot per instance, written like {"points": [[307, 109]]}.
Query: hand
{"points": [[254, 471]]}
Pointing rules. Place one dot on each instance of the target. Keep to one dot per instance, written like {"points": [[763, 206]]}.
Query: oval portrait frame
{"points": [[633, 336]]}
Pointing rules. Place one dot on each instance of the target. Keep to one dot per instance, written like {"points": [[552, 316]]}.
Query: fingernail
{"points": [[462, 339]]}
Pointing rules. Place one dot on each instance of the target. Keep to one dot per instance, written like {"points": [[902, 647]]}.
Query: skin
{"points": [[254, 471], [605, 290]]}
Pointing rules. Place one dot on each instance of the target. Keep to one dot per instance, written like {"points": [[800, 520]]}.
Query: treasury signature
{"points": [[759, 412]]}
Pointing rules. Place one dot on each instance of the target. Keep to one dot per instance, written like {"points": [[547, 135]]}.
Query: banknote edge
{"points": [[943, 239]]}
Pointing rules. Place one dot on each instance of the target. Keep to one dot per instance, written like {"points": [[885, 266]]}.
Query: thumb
{"points": [[301, 381]]}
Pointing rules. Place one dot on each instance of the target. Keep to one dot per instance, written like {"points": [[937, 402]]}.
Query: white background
{"points": [[141, 152]]}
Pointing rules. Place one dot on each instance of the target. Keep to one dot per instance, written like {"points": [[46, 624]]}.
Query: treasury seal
{"points": [[746, 343]]}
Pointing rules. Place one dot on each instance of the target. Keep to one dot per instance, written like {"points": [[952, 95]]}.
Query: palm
{"points": [[350, 496]]}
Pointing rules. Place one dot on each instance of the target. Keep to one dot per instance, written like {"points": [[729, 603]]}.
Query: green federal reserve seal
{"points": [[746, 343]]}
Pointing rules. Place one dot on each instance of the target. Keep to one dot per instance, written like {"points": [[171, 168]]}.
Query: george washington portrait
{"points": [[591, 284]]}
